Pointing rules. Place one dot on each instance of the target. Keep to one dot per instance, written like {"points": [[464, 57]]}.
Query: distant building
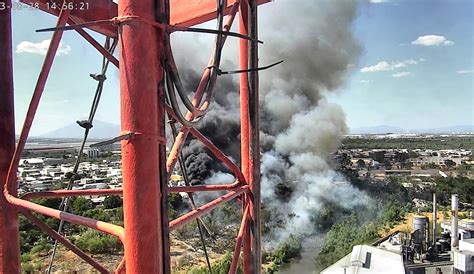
{"points": [[397, 172], [463, 255], [92, 153], [54, 161], [110, 147], [33, 162], [465, 228]]}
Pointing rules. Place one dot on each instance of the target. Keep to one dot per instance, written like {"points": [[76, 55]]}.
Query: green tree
{"points": [[413, 154], [360, 163], [112, 202], [80, 205], [49, 202], [449, 163], [342, 237], [463, 186], [345, 160], [175, 205], [97, 214], [290, 248], [401, 157], [407, 165]]}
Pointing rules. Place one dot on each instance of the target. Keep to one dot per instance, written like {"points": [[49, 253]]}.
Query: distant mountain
{"points": [[104, 130], [452, 129], [100, 130], [383, 129]]}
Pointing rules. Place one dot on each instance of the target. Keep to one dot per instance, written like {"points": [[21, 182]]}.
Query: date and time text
{"points": [[82, 5]]}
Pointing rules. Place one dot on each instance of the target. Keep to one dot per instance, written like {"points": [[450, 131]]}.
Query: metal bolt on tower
{"points": [[149, 82]]}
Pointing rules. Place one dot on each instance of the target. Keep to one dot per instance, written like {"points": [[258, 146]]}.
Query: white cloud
{"points": [[432, 40], [402, 64], [364, 81], [385, 66], [465, 71], [380, 66], [401, 74], [378, 1], [41, 48], [422, 59]]}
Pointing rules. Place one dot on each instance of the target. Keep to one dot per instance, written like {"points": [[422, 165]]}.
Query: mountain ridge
{"points": [[383, 129], [105, 130], [100, 130]]}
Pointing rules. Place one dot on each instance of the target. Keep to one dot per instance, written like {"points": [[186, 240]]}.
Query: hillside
{"points": [[383, 129], [100, 130]]}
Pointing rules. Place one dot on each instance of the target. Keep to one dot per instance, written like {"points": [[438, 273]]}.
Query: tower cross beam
{"points": [[182, 12]]}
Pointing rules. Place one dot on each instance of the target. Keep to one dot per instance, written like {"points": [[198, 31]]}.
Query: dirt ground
{"points": [[184, 256]]}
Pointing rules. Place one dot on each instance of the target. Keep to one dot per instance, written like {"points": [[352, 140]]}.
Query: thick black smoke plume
{"points": [[300, 128], [221, 125]]}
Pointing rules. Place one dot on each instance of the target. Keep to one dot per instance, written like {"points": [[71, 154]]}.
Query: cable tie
{"points": [[124, 136], [98, 77], [123, 19], [214, 67], [161, 139], [86, 124]]}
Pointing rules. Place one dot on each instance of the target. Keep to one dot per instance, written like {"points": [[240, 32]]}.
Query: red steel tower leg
{"points": [[250, 139], [254, 112], [140, 75], [9, 234], [163, 16], [245, 125]]}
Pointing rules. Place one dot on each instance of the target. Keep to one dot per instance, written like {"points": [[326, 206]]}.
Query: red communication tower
{"points": [[147, 77]]}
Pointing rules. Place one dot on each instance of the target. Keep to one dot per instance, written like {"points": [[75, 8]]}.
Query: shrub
{"points": [[25, 257], [96, 242], [220, 266], [112, 202], [290, 248], [39, 248], [175, 205], [97, 214], [342, 237], [79, 205]]}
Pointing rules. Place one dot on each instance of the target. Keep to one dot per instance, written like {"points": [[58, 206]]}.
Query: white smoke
{"points": [[220, 178], [299, 160]]}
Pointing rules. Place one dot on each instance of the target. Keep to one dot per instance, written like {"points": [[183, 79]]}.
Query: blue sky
{"points": [[69, 90], [435, 83], [416, 69]]}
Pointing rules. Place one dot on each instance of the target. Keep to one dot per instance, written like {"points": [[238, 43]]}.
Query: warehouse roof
{"points": [[368, 259]]}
